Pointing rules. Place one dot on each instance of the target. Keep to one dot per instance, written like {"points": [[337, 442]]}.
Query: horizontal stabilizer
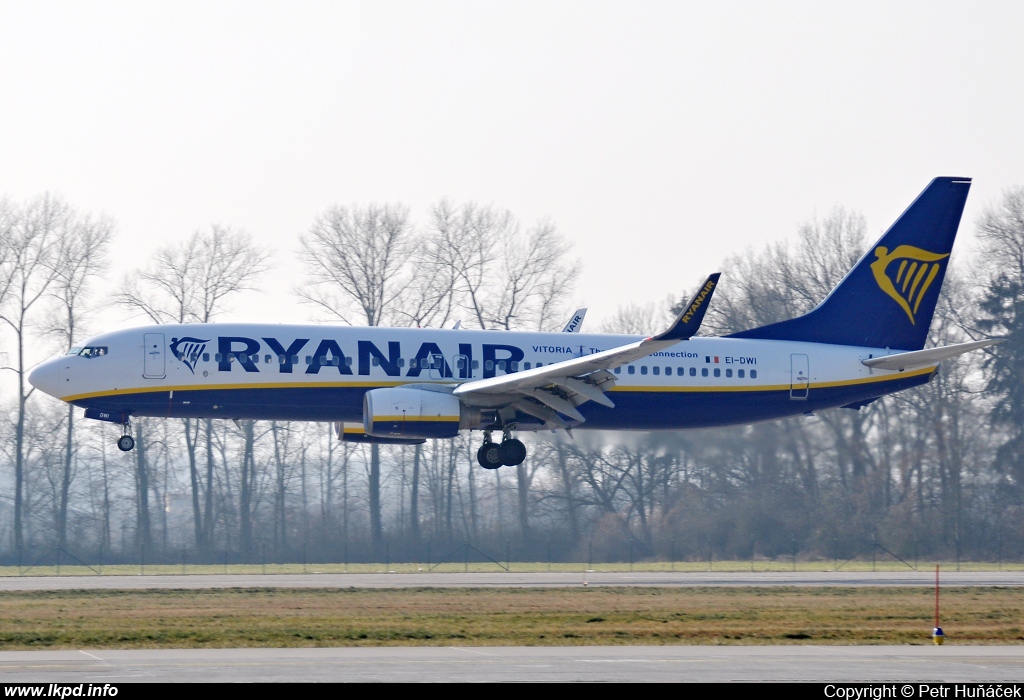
{"points": [[924, 358], [689, 320]]}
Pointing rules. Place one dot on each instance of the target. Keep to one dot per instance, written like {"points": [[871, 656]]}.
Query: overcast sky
{"points": [[659, 137]]}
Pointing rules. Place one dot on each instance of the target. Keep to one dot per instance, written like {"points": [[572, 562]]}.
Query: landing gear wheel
{"points": [[489, 455], [512, 452], [126, 443]]}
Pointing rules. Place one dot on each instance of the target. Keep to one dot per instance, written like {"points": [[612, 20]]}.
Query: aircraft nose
{"points": [[46, 377]]}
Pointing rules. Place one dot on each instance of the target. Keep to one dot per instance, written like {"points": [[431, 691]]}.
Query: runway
{"points": [[491, 664], [511, 580]]}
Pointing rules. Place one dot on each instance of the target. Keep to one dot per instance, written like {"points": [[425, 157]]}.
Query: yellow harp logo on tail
{"points": [[915, 273]]}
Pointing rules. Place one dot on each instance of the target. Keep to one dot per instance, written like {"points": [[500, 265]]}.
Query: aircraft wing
{"points": [[556, 390], [923, 358]]}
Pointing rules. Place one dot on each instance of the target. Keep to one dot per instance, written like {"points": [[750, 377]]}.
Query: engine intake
{"points": [[414, 413]]}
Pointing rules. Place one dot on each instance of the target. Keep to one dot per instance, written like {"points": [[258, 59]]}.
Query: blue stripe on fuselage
{"points": [[634, 409]]}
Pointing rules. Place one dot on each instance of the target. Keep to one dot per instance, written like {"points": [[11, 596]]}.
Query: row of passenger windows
{"points": [[436, 362], [682, 371], [460, 363]]}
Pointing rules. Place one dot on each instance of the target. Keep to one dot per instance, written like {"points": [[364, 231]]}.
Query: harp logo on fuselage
{"points": [[908, 281], [188, 351]]}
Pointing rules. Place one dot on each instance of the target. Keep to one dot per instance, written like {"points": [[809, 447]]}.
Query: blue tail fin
{"points": [[888, 298]]}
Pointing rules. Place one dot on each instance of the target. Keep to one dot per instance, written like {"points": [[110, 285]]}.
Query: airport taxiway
{"points": [[900, 664], [511, 580]]}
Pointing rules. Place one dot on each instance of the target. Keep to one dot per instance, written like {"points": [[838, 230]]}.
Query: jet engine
{"points": [[415, 413]]}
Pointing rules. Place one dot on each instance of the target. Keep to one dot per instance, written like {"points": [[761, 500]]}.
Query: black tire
{"points": [[512, 452], [126, 443], [489, 455]]}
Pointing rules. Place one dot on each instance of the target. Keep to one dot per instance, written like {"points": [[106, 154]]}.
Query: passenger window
{"points": [[753, 374], [656, 369], [526, 365], [513, 366], [375, 362], [668, 371], [632, 369], [476, 364], [728, 372], [295, 360], [461, 363], [412, 363], [401, 362], [740, 373], [206, 357], [703, 371], [266, 359], [309, 360], [501, 365], [618, 370], [348, 361], [282, 360], [718, 372], [540, 364], [489, 365], [643, 369], [693, 372]]}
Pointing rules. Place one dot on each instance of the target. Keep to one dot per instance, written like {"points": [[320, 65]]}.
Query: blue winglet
{"points": [[689, 320]]}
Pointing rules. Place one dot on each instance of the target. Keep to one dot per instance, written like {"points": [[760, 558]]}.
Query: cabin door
{"points": [[153, 363], [800, 377]]}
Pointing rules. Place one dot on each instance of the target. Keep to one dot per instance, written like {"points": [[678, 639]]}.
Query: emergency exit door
{"points": [[154, 361], [800, 376]]}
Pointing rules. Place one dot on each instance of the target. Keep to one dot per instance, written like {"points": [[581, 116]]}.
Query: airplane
{"points": [[406, 385]]}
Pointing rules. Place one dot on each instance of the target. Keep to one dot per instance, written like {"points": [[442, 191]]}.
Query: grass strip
{"points": [[535, 616]]}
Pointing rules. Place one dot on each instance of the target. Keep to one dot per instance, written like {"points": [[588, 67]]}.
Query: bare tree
{"points": [[191, 282], [504, 278], [32, 236], [356, 260], [637, 319], [81, 257]]}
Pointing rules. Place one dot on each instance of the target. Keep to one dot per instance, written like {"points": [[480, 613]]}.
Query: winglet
{"points": [[689, 320], [573, 326]]}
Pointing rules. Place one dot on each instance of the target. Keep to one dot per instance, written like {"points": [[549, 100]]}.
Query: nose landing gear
{"points": [[509, 453], [126, 443]]}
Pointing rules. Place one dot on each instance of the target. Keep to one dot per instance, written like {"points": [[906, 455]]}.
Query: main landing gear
{"points": [[509, 452], [126, 443]]}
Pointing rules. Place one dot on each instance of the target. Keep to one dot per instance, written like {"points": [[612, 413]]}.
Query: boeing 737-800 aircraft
{"points": [[404, 385]]}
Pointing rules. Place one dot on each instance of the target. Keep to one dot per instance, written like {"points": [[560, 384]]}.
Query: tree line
{"points": [[935, 471]]}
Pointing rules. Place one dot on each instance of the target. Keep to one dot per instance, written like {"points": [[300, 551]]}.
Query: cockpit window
{"points": [[94, 351], [74, 351]]}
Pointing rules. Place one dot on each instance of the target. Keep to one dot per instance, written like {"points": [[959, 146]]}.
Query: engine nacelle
{"points": [[414, 413]]}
